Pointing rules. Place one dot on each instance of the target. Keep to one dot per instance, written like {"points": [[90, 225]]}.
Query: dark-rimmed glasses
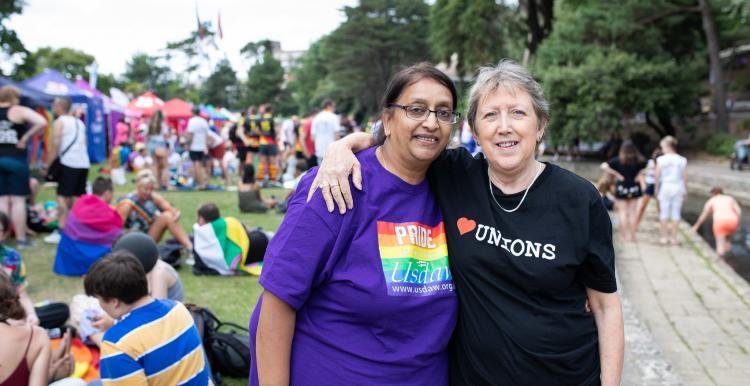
{"points": [[421, 113]]}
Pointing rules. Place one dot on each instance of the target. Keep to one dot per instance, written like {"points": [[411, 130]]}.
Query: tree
{"points": [[377, 38], [220, 89], [478, 32], [596, 73], [264, 80], [106, 81], [307, 77], [10, 43], [70, 62], [717, 73], [539, 16], [143, 73]]}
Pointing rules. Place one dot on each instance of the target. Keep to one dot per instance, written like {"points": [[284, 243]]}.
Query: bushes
{"points": [[721, 144]]}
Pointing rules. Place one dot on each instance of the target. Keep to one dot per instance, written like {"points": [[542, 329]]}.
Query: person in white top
{"points": [[197, 133], [325, 127], [671, 187], [69, 142], [648, 183]]}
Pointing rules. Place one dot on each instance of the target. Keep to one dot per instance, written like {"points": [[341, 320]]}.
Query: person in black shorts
{"points": [[14, 167], [627, 168], [69, 143]]}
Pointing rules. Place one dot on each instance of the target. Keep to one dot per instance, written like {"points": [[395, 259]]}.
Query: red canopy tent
{"points": [[146, 104], [177, 108]]}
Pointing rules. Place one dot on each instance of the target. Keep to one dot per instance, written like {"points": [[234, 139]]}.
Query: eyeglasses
{"points": [[421, 113]]}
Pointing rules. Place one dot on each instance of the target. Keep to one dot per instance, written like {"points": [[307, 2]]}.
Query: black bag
{"points": [[227, 345], [54, 171], [170, 253], [52, 315]]}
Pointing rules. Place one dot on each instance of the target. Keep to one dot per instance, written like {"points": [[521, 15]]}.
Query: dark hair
{"points": [[248, 174], [209, 212], [268, 108], [328, 103], [196, 110], [102, 185], [118, 275], [64, 103], [154, 125], [629, 154], [409, 76], [716, 190], [10, 303], [5, 222]]}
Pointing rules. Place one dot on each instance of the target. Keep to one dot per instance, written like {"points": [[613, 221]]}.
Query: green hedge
{"points": [[721, 144]]}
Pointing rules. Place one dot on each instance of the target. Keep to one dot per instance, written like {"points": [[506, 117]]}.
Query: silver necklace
{"points": [[489, 179]]}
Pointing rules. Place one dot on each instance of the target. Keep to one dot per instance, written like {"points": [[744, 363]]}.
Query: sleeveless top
{"points": [[10, 133], [175, 292], [78, 155], [22, 373]]}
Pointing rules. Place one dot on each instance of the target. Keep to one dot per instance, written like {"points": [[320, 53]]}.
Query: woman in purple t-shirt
{"points": [[368, 297]]}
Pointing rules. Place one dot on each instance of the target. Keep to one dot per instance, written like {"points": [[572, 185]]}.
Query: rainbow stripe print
{"points": [[415, 259]]}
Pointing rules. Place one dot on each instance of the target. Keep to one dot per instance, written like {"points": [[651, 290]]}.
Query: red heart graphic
{"points": [[465, 225]]}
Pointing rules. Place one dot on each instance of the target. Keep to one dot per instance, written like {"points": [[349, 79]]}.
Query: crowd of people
{"points": [[505, 263]]}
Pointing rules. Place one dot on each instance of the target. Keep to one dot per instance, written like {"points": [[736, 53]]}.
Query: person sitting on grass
{"points": [[163, 280], [249, 196], [89, 230], [148, 212], [12, 264], [154, 341], [26, 347], [726, 219], [225, 246]]}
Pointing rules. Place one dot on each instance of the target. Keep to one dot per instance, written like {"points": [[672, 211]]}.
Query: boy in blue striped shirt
{"points": [[154, 341]]}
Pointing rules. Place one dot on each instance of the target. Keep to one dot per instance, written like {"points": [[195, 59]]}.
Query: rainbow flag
{"points": [[222, 245], [89, 231]]}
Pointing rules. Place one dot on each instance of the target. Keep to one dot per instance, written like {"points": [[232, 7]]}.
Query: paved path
{"points": [[687, 314]]}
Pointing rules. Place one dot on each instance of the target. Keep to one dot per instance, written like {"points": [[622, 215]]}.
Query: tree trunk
{"points": [[659, 131], [538, 31], [717, 76]]}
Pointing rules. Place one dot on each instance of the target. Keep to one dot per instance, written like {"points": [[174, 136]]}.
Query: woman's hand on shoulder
{"points": [[333, 177]]}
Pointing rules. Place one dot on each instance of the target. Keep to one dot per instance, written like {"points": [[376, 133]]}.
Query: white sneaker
{"points": [[53, 238]]}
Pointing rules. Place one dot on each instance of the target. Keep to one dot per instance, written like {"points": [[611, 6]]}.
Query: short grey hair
{"points": [[509, 75]]}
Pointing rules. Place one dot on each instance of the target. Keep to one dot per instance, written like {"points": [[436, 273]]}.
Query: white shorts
{"points": [[670, 201]]}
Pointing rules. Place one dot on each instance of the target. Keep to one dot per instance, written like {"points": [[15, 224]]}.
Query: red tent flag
{"points": [[146, 104]]}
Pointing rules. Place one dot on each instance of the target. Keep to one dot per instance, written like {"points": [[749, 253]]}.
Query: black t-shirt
{"points": [[521, 277], [629, 170], [10, 133]]}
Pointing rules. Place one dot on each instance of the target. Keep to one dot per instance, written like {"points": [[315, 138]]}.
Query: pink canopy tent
{"points": [[146, 104], [177, 108]]}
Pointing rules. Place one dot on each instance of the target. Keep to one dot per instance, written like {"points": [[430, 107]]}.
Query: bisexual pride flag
{"points": [[89, 231]]}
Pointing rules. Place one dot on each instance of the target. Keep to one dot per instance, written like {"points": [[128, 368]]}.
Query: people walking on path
{"points": [[648, 185], [17, 125], [627, 168], [69, 143], [726, 218], [671, 188]]}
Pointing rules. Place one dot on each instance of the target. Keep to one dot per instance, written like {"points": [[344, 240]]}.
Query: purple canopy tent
{"points": [[53, 83]]}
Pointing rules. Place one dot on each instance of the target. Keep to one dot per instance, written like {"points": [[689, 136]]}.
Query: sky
{"points": [[114, 30]]}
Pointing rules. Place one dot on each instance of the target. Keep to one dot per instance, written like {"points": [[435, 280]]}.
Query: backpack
{"points": [[227, 344]]}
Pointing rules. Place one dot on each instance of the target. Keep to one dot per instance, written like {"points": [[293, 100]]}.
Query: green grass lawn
{"points": [[230, 298]]}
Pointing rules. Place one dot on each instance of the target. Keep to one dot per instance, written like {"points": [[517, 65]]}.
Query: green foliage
{"points": [[478, 32], [10, 43], [308, 75], [220, 89], [605, 61], [377, 38], [264, 81], [106, 81], [720, 144], [70, 62], [143, 73]]}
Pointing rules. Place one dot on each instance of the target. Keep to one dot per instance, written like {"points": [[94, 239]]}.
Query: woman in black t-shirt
{"points": [[627, 168], [529, 243]]}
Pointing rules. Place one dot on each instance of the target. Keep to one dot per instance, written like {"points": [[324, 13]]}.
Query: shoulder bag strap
{"points": [[75, 138]]}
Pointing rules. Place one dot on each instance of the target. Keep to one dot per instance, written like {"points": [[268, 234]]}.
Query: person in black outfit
{"points": [[529, 243], [18, 124], [627, 168]]}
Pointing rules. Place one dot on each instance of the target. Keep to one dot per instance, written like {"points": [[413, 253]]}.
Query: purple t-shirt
{"points": [[372, 289]]}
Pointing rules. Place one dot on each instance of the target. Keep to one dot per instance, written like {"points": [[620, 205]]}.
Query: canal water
{"points": [[738, 258]]}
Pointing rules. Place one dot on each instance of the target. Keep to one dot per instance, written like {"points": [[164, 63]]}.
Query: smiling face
{"points": [[418, 141], [508, 129], [144, 190]]}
